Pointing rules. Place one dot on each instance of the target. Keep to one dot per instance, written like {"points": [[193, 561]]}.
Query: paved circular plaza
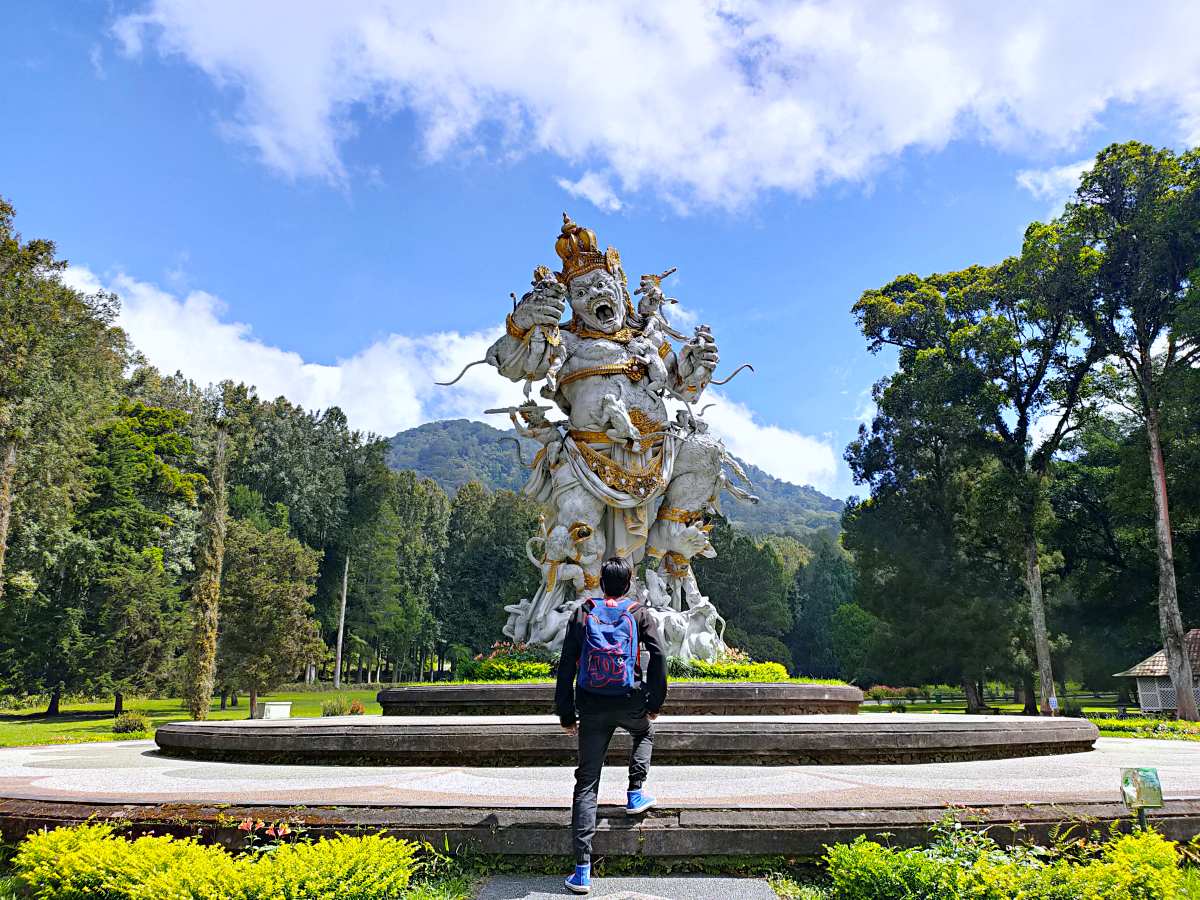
{"points": [[702, 809]]}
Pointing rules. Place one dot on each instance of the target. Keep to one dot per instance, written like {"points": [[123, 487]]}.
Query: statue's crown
{"points": [[577, 248]]}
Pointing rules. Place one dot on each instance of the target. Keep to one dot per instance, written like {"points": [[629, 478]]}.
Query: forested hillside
{"points": [[455, 452]]}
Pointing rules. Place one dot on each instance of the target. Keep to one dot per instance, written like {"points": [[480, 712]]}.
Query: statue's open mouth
{"points": [[606, 314]]}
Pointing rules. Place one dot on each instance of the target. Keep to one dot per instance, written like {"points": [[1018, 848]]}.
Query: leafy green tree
{"points": [[856, 638], [929, 560], [997, 353], [268, 633], [748, 583], [1139, 207], [485, 564], [60, 361], [821, 586], [142, 462]]}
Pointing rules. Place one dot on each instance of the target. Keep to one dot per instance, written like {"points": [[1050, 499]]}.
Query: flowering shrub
{"points": [[88, 860], [962, 863], [335, 706], [357, 708], [516, 652]]}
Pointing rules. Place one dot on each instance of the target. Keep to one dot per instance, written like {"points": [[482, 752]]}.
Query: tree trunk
{"points": [[8, 471], [118, 703], [233, 700], [1037, 609], [1169, 619], [974, 701], [55, 701], [206, 593], [337, 662], [253, 702], [224, 700], [1030, 704]]}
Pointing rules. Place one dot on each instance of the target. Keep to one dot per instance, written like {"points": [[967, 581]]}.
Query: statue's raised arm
{"points": [[526, 351]]}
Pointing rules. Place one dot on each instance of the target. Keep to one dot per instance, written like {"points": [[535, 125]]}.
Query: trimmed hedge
{"points": [[501, 669], [89, 861], [726, 671]]}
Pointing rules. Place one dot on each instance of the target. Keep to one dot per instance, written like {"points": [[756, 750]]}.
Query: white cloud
{"points": [[389, 385], [786, 454], [594, 188], [1055, 184], [697, 101], [386, 387]]}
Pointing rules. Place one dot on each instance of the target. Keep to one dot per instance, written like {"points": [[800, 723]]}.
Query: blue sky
{"points": [[334, 203]]}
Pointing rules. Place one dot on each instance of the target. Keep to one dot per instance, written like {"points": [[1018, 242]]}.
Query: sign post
{"points": [[1141, 790]]}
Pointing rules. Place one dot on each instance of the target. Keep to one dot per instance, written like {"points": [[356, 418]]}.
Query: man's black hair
{"points": [[615, 576]]}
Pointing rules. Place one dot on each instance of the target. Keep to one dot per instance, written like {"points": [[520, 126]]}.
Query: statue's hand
{"points": [[544, 305], [698, 359]]}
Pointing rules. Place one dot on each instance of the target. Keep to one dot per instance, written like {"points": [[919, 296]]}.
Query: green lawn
{"points": [[82, 722], [92, 721]]}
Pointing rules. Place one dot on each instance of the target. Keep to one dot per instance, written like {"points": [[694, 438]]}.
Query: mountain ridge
{"points": [[455, 451]]}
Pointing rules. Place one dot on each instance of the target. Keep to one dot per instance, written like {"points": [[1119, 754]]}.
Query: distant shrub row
{"points": [[89, 861]]}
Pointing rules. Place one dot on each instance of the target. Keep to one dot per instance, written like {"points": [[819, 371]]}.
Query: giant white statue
{"points": [[619, 476]]}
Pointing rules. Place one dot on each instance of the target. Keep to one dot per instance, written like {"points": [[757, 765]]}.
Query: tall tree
{"points": [[747, 581], [1004, 345], [1139, 207], [57, 348], [141, 465], [268, 633], [929, 559], [821, 586], [206, 589]]}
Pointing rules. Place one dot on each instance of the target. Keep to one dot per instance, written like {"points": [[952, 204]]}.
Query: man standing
{"points": [[601, 688]]}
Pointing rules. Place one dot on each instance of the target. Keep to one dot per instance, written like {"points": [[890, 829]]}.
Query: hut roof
{"points": [[1156, 665]]}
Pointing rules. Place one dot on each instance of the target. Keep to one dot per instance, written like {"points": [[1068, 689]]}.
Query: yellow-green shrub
{"points": [[341, 868], [89, 861], [506, 670], [725, 671]]}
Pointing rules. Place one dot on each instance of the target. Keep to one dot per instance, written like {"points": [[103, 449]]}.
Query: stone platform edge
{"points": [[665, 832], [685, 698], [698, 740]]}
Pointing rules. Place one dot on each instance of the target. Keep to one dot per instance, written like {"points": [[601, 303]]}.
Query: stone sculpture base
{"points": [[679, 740]]}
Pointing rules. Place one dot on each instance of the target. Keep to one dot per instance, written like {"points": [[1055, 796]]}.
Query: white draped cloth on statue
{"points": [[628, 480]]}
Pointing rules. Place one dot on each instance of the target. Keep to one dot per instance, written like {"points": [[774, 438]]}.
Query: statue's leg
{"points": [[583, 514]]}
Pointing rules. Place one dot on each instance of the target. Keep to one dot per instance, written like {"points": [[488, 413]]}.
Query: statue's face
{"points": [[597, 301]]}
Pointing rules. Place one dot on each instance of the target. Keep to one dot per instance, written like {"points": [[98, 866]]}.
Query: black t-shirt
{"points": [[568, 701]]}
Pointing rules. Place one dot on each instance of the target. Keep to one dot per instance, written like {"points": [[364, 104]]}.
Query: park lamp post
{"points": [[1141, 790]]}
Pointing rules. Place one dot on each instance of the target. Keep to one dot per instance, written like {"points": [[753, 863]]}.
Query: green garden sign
{"points": [[1141, 790]]}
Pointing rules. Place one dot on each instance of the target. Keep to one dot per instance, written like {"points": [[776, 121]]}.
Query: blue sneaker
{"points": [[638, 802], [581, 881]]}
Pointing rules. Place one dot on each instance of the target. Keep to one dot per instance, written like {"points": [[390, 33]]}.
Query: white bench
{"points": [[275, 709]]}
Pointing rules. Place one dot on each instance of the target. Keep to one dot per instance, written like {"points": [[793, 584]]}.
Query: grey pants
{"points": [[595, 733]]}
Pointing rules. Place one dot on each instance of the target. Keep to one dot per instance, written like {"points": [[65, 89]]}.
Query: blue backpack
{"points": [[608, 659]]}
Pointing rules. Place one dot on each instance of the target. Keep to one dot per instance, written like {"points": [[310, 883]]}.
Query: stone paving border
{"points": [[540, 832], [679, 740]]}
